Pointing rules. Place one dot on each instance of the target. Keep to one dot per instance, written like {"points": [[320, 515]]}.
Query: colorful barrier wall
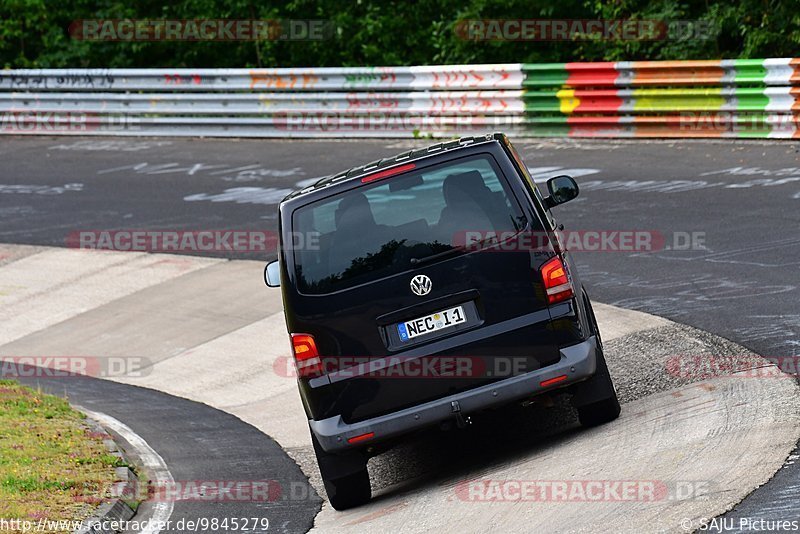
{"points": [[723, 98]]}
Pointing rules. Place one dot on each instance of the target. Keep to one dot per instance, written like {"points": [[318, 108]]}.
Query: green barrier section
{"points": [[544, 75], [541, 101], [549, 126], [757, 125], [751, 99], [749, 71]]}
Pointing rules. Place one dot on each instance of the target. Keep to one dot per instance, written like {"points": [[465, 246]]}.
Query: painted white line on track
{"points": [[152, 461]]}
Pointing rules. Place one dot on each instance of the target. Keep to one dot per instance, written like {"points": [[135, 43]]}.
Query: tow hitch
{"points": [[461, 421]]}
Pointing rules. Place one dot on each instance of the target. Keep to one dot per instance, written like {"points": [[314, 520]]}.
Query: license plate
{"points": [[431, 323]]}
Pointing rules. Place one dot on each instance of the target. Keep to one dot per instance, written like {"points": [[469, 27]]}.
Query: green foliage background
{"points": [[33, 33]]}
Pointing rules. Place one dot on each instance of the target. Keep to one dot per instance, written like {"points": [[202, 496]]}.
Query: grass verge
{"points": [[52, 467]]}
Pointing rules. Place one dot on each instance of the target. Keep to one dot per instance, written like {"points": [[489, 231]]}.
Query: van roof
{"points": [[404, 157]]}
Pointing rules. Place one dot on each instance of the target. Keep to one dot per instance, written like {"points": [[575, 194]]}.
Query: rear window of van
{"points": [[381, 229]]}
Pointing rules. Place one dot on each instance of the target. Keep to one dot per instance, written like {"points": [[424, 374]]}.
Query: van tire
{"points": [[599, 413], [344, 476], [595, 399]]}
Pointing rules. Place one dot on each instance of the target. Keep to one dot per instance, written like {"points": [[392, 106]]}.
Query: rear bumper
{"points": [[578, 362]]}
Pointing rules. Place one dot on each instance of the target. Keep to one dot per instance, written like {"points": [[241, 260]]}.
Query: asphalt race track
{"points": [[736, 202]]}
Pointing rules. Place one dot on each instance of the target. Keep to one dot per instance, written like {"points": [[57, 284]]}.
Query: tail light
{"points": [[306, 355], [556, 281]]}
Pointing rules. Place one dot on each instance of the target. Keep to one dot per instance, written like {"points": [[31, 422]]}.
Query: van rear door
{"points": [[419, 286]]}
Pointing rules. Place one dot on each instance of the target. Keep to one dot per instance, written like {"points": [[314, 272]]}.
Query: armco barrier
{"points": [[723, 98], [313, 79]]}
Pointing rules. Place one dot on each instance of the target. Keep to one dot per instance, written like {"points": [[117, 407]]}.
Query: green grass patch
{"points": [[51, 465]]}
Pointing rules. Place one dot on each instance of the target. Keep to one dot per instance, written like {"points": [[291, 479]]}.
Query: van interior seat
{"points": [[467, 205], [355, 234]]}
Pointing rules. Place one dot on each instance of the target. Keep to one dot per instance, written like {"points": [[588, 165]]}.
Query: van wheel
{"points": [[599, 413], [345, 477], [595, 399]]}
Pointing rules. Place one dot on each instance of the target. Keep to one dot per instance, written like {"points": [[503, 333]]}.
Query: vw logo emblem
{"points": [[421, 285]]}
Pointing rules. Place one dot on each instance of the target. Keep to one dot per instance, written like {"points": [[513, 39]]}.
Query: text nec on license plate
{"points": [[431, 323]]}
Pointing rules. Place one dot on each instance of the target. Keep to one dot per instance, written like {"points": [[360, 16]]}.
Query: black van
{"points": [[423, 288]]}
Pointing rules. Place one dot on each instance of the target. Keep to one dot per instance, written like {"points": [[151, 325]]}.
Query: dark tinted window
{"points": [[376, 230]]}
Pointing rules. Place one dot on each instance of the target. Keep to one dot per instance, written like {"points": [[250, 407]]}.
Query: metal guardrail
{"points": [[294, 79], [727, 98], [256, 103]]}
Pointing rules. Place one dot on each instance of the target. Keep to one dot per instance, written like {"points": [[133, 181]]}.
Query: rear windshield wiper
{"points": [[438, 255]]}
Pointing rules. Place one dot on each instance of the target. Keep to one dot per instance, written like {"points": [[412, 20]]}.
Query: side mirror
{"points": [[272, 274], [562, 189]]}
